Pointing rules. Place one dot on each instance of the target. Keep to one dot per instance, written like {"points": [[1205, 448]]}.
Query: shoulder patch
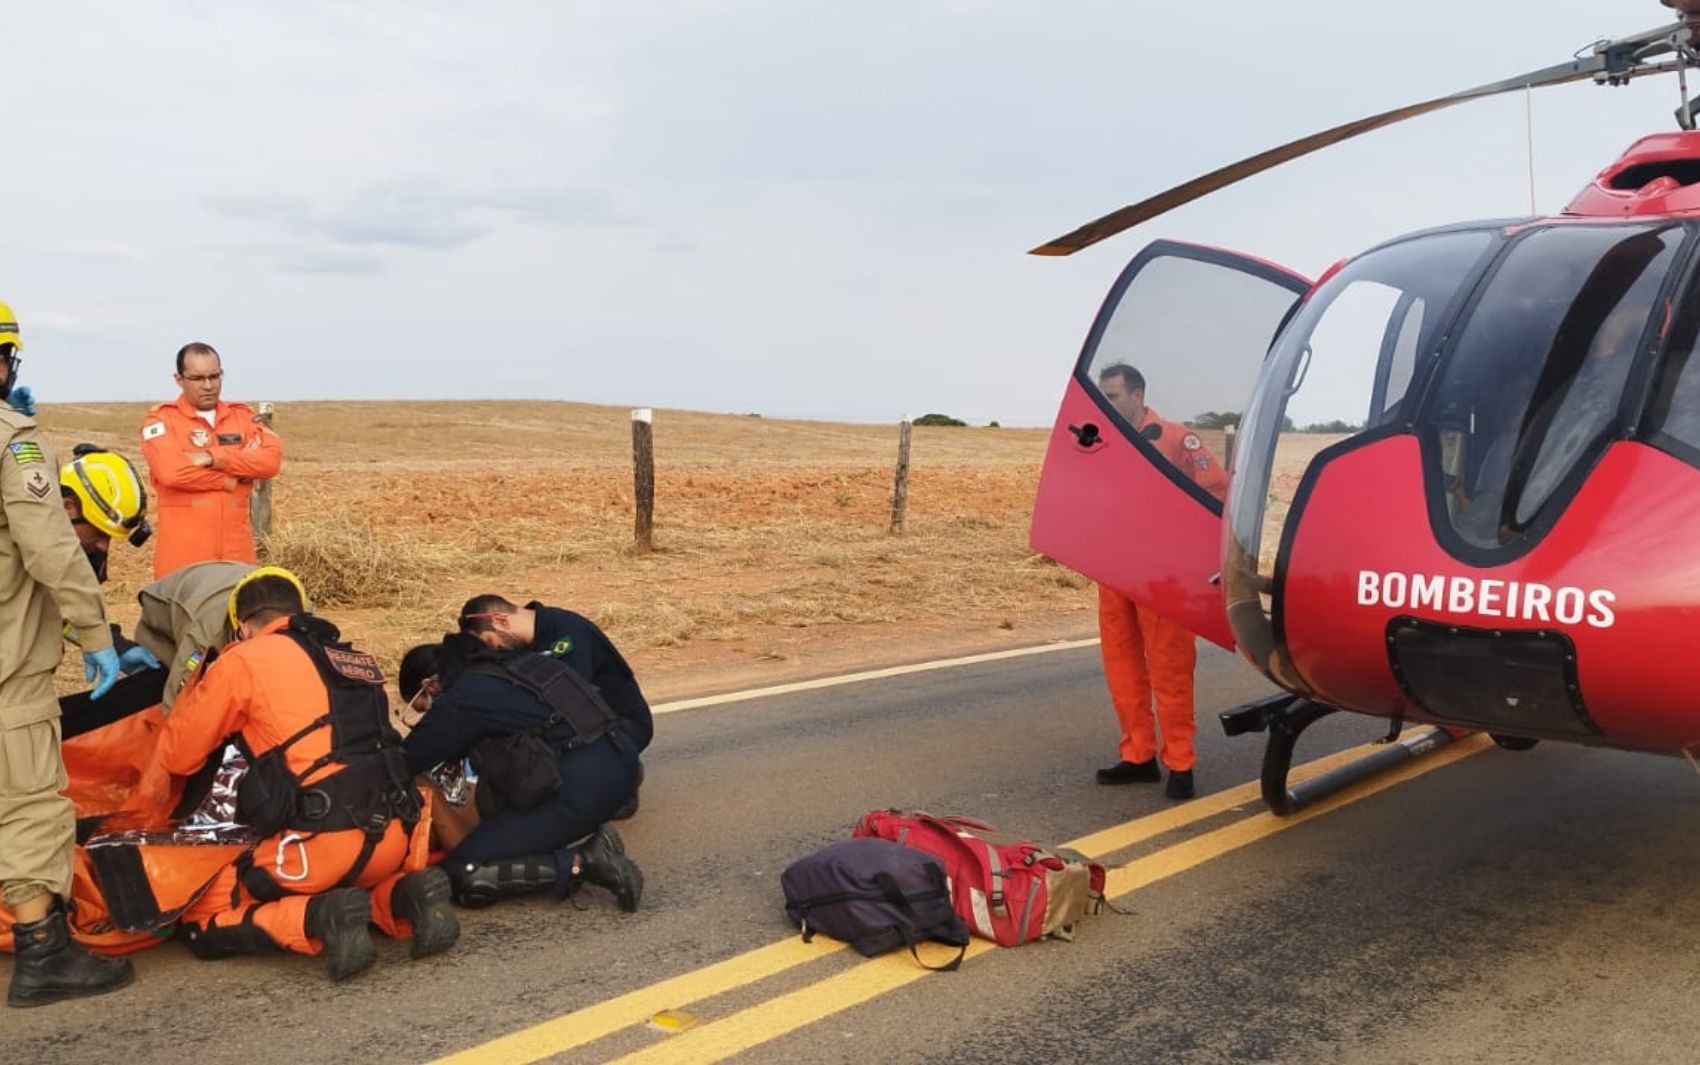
{"points": [[355, 665], [563, 646], [1191, 442], [36, 482], [153, 429], [25, 452]]}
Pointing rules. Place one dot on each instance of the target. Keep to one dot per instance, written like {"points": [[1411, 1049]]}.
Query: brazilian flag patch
{"points": [[26, 452], [562, 648]]}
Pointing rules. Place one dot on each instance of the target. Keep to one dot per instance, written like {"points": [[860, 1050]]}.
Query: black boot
{"points": [[339, 919], [50, 967], [605, 864], [423, 898], [475, 886], [211, 942], [1180, 784], [1131, 773]]}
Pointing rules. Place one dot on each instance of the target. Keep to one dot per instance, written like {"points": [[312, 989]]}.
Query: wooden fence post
{"points": [[1230, 437], [900, 491], [643, 477], [260, 503]]}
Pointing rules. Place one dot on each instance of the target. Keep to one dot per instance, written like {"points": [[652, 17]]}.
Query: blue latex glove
{"points": [[105, 665], [137, 659], [22, 400]]}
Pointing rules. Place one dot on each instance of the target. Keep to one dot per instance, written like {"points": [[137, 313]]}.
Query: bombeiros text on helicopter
{"points": [[1466, 484]]}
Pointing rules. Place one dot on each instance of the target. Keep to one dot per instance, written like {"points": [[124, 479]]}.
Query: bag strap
{"points": [[894, 894], [948, 967]]}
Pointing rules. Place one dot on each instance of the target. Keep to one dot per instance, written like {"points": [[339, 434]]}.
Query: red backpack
{"points": [[1009, 890]]}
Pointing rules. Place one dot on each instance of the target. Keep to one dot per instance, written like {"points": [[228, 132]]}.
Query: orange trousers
{"points": [[310, 866], [1146, 655]]}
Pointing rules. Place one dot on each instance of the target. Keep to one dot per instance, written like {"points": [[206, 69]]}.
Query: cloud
{"points": [[52, 321], [104, 253], [330, 261], [419, 216]]}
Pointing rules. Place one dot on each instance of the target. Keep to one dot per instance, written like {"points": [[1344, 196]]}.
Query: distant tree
{"points": [[1216, 419], [993, 425], [1287, 424], [938, 419], [1335, 426]]}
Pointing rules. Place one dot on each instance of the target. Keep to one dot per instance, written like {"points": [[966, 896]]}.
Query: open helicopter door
{"points": [[1138, 507]]}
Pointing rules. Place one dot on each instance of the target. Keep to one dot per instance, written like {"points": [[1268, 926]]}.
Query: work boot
{"points": [[339, 919], [477, 886], [423, 899], [1180, 784], [605, 864], [213, 942], [1131, 773], [49, 967]]}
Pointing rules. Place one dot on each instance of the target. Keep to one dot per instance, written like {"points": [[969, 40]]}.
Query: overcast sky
{"points": [[773, 206]]}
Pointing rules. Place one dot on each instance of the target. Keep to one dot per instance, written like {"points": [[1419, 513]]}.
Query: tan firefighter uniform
{"points": [[43, 570], [185, 615]]}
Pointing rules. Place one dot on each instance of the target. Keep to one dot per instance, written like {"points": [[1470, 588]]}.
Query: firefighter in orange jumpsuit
{"points": [[204, 456], [338, 822], [1146, 654]]}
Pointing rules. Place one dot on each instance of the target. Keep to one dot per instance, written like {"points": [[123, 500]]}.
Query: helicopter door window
{"points": [[1398, 359], [1530, 392], [1171, 359], [1674, 416]]}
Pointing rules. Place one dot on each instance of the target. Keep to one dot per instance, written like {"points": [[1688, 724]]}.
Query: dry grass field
{"points": [[773, 558]]}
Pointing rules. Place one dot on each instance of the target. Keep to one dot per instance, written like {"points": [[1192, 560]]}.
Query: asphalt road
{"points": [[1503, 907]]}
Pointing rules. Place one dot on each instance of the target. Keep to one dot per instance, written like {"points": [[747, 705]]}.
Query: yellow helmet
{"points": [[9, 329], [110, 493], [11, 347], [265, 571]]}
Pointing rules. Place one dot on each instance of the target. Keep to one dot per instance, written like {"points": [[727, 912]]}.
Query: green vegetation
{"points": [[938, 419], [1216, 419], [1335, 426]]}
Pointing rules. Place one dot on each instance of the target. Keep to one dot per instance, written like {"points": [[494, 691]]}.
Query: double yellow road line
{"points": [[788, 1012]]}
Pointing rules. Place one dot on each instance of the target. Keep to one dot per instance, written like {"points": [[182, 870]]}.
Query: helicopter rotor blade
{"points": [[1615, 60]]}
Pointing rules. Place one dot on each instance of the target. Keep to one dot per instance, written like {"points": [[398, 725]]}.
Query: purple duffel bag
{"points": [[876, 896]]}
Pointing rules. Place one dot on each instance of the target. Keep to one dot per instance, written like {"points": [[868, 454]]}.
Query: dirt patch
{"points": [[773, 559]]}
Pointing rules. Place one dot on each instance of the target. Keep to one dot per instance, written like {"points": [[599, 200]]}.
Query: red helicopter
{"points": [[1466, 486]]}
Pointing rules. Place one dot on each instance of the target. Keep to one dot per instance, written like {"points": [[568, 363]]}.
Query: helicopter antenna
{"points": [[1684, 110], [1529, 123]]}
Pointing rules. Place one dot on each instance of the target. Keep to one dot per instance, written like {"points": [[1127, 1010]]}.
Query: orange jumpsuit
{"points": [[267, 689], [203, 511], [1146, 654]]}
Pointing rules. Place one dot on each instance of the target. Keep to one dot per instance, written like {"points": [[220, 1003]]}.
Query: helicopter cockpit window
{"points": [[1534, 381], [1175, 355], [1344, 365]]}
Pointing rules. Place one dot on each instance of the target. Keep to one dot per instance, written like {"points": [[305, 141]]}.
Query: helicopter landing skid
{"points": [[1285, 717]]}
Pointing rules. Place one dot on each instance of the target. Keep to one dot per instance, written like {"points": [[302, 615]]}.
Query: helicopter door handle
{"points": [[1086, 435]]}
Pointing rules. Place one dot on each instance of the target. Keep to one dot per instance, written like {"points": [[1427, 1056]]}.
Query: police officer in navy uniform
{"points": [[477, 695], [575, 640]]}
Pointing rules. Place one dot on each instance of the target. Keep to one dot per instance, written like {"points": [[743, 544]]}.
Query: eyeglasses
{"points": [[201, 378]]}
